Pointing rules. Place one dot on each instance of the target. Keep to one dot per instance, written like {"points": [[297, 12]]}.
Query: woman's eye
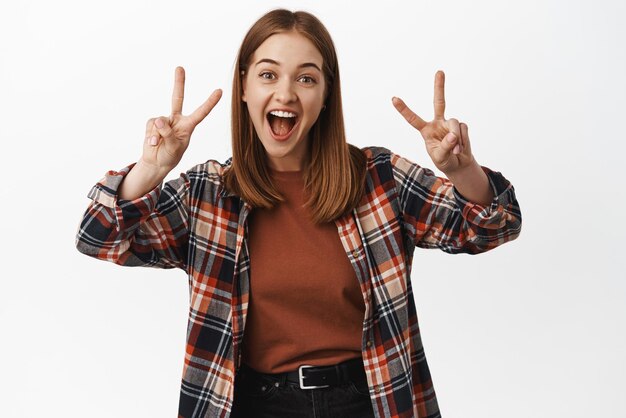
{"points": [[266, 75], [307, 80]]}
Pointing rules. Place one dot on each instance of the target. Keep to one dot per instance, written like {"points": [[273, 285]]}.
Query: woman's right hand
{"points": [[167, 138]]}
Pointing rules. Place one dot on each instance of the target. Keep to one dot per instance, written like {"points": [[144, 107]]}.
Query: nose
{"points": [[285, 92]]}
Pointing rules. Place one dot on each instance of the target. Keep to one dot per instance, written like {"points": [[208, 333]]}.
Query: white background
{"points": [[533, 328]]}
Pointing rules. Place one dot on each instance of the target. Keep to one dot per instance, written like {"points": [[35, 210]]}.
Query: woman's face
{"points": [[284, 90]]}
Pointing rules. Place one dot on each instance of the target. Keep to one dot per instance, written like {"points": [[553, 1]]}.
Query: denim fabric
{"points": [[266, 397]]}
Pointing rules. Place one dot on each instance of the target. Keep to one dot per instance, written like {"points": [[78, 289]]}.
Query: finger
{"points": [[441, 153], [163, 127], [205, 108], [440, 100], [179, 91], [448, 144], [149, 126], [153, 140], [465, 138], [152, 135], [414, 120], [454, 127]]}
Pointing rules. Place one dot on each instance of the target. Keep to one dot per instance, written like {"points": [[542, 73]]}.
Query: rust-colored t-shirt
{"points": [[306, 305]]}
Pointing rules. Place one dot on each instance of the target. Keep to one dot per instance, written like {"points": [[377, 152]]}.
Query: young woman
{"points": [[298, 248]]}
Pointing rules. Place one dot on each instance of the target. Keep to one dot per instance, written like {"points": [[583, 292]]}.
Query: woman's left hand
{"points": [[447, 141]]}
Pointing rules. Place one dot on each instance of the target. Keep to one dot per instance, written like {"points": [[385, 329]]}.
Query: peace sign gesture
{"points": [[167, 138], [447, 141]]}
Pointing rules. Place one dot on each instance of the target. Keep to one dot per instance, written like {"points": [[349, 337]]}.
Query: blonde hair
{"points": [[334, 171]]}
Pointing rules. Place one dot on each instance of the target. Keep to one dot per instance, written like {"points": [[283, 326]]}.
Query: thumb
{"points": [[448, 143], [163, 127]]}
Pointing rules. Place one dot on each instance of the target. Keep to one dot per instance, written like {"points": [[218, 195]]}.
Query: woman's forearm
{"points": [[140, 180], [473, 184]]}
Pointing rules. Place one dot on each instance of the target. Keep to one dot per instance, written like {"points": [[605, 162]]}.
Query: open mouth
{"points": [[282, 123]]}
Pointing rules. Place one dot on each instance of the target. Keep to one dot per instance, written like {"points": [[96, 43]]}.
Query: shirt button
{"points": [[368, 343], [355, 253], [379, 389]]}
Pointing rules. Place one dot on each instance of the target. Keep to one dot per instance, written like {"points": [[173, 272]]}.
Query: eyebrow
{"points": [[304, 65]]}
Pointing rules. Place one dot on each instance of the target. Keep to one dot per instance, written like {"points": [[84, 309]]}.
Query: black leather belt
{"points": [[314, 377]]}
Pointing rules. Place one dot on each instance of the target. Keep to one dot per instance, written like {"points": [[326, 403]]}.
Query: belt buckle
{"points": [[301, 378]]}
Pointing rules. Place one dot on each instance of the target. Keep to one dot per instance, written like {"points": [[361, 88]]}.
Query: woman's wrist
{"points": [[142, 178], [152, 171], [472, 182]]}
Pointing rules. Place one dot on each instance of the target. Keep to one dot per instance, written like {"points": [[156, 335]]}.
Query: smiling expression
{"points": [[284, 91]]}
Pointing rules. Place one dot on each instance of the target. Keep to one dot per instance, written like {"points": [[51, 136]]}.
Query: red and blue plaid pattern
{"points": [[195, 224]]}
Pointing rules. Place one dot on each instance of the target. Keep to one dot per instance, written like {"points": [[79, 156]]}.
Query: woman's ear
{"points": [[243, 84]]}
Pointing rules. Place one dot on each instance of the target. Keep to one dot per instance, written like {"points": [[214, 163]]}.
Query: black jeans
{"points": [[259, 396]]}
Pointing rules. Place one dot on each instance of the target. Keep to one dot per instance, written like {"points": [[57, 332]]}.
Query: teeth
{"points": [[282, 114]]}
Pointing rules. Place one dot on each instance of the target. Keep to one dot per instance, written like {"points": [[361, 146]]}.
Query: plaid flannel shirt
{"points": [[194, 223]]}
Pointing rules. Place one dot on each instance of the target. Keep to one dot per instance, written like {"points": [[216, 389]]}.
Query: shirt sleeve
{"points": [[152, 230], [436, 215]]}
